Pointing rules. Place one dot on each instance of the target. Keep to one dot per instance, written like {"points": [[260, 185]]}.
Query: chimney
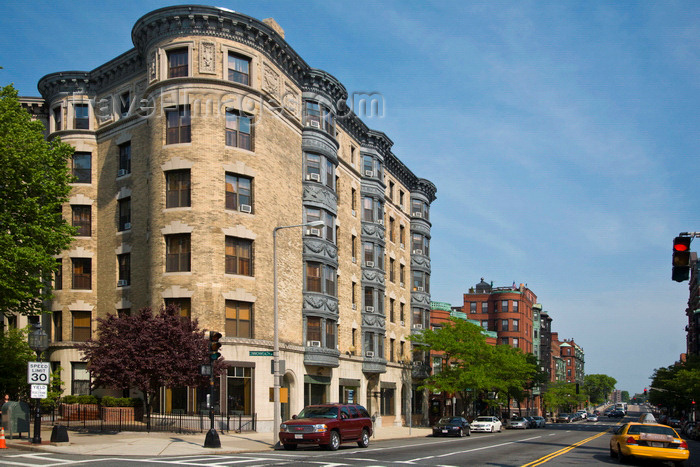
{"points": [[276, 27]]}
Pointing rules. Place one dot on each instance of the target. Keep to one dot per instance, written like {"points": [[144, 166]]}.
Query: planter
{"points": [[80, 411], [122, 414]]}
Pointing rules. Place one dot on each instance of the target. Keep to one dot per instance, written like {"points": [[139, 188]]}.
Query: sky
{"points": [[562, 137]]}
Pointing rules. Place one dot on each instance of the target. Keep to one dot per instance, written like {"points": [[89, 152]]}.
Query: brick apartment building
{"points": [[190, 149]]}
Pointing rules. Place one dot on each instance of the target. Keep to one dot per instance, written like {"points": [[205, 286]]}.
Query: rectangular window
{"points": [[515, 306], [330, 334], [485, 324], [392, 270], [124, 262], [182, 304], [57, 326], [80, 379], [353, 248], [58, 275], [239, 193], [82, 273], [504, 341], [504, 325], [484, 307], [516, 325], [392, 344], [239, 256], [239, 319], [367, 209], [178, 125], [124, 206], [504, 306], [401, 198], [391, 190], [313, 329], [82, 117], [391, 310], [402, 235], [58, 118], [516, 343], [178, 62], [81, 325], [177, 191], [82, 220], [238, 68], [369, 342], [124, 159], [402, 274], [82, 167], [238, 129], [391, 230], [472, 307], [353, 200], [330, 277], [313, 277], [177, 253], [402, 316]]}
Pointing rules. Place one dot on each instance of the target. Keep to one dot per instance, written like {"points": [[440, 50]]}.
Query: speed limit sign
{"points": [[38, 372]]}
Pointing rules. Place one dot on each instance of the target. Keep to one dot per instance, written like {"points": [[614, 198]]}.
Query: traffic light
{"points": [[681, 259], [645, 392], [214, 345]]}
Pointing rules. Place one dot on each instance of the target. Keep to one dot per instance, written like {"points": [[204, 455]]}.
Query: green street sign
{"points": [[260, 353]]}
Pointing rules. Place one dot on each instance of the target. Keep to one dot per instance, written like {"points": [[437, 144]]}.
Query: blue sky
{"points": [[562, 138]]}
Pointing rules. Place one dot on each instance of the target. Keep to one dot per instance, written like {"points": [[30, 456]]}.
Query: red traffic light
{"points": [[681, 243]]}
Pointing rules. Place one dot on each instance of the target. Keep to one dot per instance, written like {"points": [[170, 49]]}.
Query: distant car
{"points": [[486, 423], [452, 426], [531, 421], [540, 421], [581, 414], [648, 441], [592, 417], [564, 418], [518, 422], [617, 414], [674, 422]]}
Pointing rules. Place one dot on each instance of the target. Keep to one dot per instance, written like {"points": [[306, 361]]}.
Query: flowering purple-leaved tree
{"points": [[148, 351]]}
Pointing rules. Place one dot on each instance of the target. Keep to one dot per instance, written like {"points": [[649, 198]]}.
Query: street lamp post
{"points": [[38, 342], [276, 349]]}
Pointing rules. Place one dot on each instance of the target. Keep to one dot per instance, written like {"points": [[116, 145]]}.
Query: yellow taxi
{"points": [[647, 439]]}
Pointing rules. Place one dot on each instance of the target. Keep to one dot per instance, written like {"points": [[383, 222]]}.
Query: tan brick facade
{"points": [[279, 98]]}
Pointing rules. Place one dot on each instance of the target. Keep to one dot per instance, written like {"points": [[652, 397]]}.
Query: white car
{"points": [[582, 414], [487, 424]]}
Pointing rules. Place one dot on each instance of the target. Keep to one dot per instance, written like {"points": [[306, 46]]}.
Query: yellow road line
{"points": [[551, 456]]}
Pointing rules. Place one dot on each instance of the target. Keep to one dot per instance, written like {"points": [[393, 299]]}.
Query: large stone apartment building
{"points": [[190, 149]]}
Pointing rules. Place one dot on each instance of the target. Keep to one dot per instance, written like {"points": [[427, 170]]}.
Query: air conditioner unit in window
{"points": [[313, 123], [313, 344], [419, 289], [380, 221], [402, 246], [122, 282], [354, 306], [369, 309], [246, 208], [313, 232], [403, 323], [127, 225], [369, 264], [417, 326], [314, 177], [417, 214], [401, 284], [417, 252], [122, 172], [369, 354], [354, 260], [354, 213], [369, 173]]}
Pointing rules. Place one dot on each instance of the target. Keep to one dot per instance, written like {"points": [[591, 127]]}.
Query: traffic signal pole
{"points": [[212, 439]]}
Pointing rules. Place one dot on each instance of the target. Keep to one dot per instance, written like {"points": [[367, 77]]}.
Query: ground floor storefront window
{"points": [[239, 384], [316, 389], [349, 391]]}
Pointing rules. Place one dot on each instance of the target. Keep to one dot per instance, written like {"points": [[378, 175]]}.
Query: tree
{"points": [[676, 386], [16, 354], [625, 395], [147, 351], [598, 387], [34, 182], [562, 395]]}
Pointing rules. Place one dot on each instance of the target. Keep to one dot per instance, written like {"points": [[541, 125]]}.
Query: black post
{"points": [[37, 414], [212, 439]]}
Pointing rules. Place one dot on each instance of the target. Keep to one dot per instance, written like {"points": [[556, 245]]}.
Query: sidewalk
{"points": [[129, 443]]}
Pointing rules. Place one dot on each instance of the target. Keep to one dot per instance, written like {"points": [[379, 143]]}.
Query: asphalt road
{"points": [[579, 443]]}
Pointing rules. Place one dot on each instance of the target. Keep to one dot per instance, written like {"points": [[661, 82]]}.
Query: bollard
{"points": [[59, 434]]}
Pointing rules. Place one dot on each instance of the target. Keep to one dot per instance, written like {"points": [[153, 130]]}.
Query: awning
{"points": [[313, 379]]}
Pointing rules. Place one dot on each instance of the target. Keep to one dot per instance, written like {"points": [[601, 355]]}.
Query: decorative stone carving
{"points": [[369, 275], [271, 81], [318, 193], [321, 248], [207, 57], [153, 66], [369, 319]]}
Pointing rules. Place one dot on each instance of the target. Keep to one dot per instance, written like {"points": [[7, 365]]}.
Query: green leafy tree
{"points": [[625, 395], [562, 397], [55, 391], [598, 387], [676, 386], [34, 182], [147, 351], [15, 355]]}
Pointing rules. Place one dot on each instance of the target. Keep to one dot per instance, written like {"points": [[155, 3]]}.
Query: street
{"points": [[579, 443]]}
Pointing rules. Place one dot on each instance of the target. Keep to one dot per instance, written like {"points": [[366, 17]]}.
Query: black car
{"points": [[617, 414], [446, 426]]}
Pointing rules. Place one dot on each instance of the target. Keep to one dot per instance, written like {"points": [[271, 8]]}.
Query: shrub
{"points": [[108, 401]]}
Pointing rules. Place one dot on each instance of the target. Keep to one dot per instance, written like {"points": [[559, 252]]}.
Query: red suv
{"points": [[327, 425]]}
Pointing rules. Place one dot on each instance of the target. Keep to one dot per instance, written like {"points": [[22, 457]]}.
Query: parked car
{"points": [[592, 417], [531, 421], [648, 441], [486, 423], [617, 414], [457, 426], [540, 421], [518, 422], [581, 414], [565, 418], [327, 425]]}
